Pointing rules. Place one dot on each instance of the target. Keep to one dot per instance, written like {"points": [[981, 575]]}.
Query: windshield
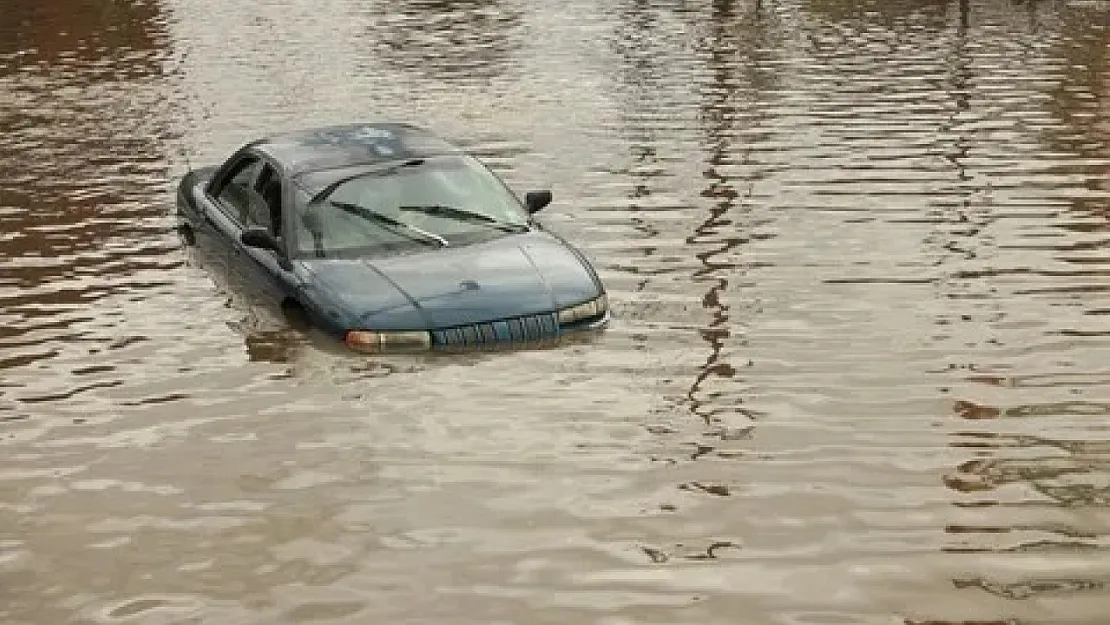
{"points": [[440, 201]]}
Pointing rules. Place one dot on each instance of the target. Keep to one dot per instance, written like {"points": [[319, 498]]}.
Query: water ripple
{"points": [[855, 253]]}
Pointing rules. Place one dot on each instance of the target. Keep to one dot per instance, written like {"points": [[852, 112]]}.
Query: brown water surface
{"points": [[859, 370]]}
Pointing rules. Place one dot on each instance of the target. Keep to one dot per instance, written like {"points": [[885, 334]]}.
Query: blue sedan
{"points": [[390, 238]]}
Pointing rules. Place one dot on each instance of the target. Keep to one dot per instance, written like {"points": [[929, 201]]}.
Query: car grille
{"points": [[517, 330]]}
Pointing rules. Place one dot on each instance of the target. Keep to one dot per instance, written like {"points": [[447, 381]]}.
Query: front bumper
{"points": [[521, 330], [531, 330]]}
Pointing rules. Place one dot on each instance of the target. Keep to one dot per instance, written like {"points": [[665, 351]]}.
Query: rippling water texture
{"points": [[859, 370]]}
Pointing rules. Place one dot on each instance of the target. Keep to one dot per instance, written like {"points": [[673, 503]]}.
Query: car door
{"points": [[222, 208], [264, 272]]}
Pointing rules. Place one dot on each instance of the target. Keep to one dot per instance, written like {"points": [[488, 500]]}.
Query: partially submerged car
{"points": [[389, 237]]}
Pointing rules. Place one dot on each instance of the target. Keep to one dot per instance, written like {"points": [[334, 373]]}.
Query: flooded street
{"points": [[858, 255]]}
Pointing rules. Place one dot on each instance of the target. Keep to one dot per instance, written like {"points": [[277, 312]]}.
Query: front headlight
{"points": [[593, 308], [376, 342]]}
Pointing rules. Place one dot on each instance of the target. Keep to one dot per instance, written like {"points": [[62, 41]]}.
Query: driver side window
{"points": [[236, 195]]}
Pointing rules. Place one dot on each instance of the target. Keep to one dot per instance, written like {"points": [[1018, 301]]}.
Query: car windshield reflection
{"points": [[446, 200]]}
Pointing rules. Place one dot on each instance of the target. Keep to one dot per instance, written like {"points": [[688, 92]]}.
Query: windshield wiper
{"points": [[367, 213], [465, 215], [322, 193]]}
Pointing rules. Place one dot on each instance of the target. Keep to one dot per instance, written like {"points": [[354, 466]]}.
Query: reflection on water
{"points": [[438, 38], [857, 373], [80, 225]]}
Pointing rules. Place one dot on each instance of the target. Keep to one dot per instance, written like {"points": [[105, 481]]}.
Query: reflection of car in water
{"points": [[388, 237]]}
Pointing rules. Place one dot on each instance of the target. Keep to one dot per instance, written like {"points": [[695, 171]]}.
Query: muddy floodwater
{"points": [[858, 255]]}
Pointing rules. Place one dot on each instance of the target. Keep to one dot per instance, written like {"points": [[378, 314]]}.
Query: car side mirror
{"points": [[535, 200], [260, 238]]}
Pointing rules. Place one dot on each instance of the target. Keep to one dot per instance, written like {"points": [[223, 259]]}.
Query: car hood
{"points": [[508, 277]]}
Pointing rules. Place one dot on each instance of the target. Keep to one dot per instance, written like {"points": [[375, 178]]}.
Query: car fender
{"points": [[581, 256], [321, 310]]}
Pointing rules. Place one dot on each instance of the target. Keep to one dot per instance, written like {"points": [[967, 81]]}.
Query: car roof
{"points": [[347, 145]]}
